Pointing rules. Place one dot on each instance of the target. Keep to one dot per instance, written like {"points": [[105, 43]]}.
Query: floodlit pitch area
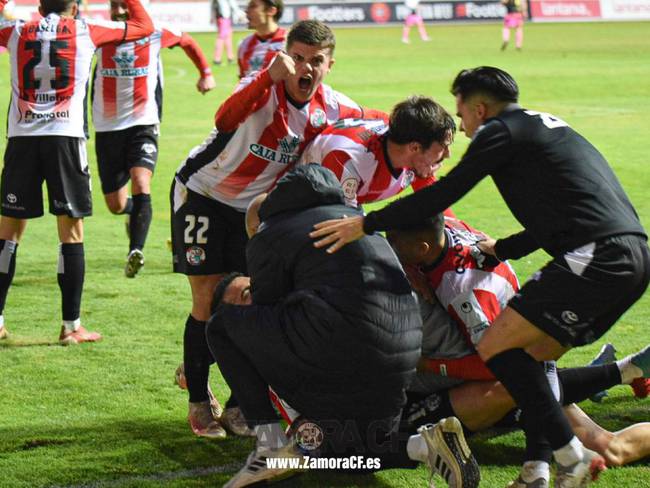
{"points": [[108, 414]]}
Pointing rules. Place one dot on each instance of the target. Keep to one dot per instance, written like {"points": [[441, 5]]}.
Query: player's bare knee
{"points": [[140, 180], [114, 203]]}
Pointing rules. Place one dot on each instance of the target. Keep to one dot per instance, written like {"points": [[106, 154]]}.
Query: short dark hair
{"points": [[486, 80], [312, 33], [430, 226], [278, 4], [420, 119], [56, 6]]}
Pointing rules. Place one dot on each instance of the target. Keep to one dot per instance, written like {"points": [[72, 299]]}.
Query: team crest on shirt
{"points": [[195, 255], [350, 187], [318, 118]]}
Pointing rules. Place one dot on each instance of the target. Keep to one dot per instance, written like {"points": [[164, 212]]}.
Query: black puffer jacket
{"points": [[350, 324]]}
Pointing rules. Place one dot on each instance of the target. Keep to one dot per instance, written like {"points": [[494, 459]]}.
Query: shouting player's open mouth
{"points": [[305, 83]]}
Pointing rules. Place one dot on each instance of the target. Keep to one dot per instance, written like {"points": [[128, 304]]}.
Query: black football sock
{"points": [[128, 208], [426, 409], [526, 382], [8, 251], [140, 221], [578, 384], [537, 447], [70, 276], [197, 359]]}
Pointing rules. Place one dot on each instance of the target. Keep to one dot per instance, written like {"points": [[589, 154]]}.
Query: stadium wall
{"points": [[194, 16]]}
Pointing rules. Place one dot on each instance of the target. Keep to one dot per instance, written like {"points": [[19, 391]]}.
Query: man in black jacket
{"points": [[570, 203], [336, 338]]}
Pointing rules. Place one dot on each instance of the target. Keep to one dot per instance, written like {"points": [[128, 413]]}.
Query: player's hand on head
{"points": [[205, 84], [486, 246], [282, 67], [337, 233]]}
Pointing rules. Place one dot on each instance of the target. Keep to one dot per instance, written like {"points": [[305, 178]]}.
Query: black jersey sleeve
{"points": [[489, 150], [516, 246]]}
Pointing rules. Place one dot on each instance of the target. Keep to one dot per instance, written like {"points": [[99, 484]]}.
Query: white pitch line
{"points": [[180, 73], [164, 476]]}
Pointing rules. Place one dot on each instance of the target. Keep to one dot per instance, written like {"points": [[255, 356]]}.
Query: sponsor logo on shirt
{"points": [[284, 154], [125, 61]]}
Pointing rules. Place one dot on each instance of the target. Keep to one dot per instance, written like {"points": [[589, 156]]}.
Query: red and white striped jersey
{"points": [[470, 287], [259, 136], [255, 52], [50, 66], [355, 150], [128, 80]]}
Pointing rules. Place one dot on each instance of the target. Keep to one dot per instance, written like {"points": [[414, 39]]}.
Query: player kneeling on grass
{"points": [[453, 380], [335, 338], [51, 59], [127, 108]]}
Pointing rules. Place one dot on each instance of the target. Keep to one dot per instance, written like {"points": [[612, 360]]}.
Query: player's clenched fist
{"points": [[282, 67], [205, 84]]}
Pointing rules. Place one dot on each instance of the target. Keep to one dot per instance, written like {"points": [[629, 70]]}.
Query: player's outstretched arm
{"points": [[193, 51], [337, 233]]}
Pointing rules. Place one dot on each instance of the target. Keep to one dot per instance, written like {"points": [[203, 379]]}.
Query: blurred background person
{"points": [[413, 18], [514, 19], [257, 50], [224, 11]]}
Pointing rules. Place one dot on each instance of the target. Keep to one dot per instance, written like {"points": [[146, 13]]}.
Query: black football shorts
{"points": [[577, 297], [61, 162], [208, 237], [120, 150]]}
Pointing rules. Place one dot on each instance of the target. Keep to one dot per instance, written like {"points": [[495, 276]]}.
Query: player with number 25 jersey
{"points": [[50, 66]]}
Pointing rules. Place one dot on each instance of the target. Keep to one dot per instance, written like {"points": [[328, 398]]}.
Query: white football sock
{"points": [[72, 325], [416, 448], [533, 470], [629, 372], [569, 454]]}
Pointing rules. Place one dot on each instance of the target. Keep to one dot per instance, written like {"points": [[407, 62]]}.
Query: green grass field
{"points": [[108, 414]]}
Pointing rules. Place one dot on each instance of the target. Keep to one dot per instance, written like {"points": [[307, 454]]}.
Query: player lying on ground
{"points": [[472, 288]]}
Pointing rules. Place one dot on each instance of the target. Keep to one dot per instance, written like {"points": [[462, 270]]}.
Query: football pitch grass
{"points": [[108, 414]]}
